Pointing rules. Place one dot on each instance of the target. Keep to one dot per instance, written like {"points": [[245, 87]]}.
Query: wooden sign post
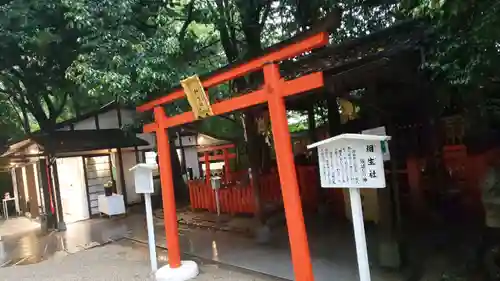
{"points": [[353, 161]]}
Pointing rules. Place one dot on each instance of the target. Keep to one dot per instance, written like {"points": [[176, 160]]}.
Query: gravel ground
{"points": [[113, 262]]}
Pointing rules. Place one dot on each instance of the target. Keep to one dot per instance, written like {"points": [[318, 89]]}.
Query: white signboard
{"points": [[351, 161], [380, 131], [143, 176]]}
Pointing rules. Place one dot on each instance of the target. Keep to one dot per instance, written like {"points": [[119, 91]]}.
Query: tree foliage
{"points": [[135, 47], [465, 48], [462, 57]]}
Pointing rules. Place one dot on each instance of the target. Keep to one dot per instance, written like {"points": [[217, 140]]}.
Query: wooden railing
{"points": [[239, 198]]}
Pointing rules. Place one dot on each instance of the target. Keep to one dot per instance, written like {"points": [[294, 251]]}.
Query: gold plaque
{"points": [[196, 96]]}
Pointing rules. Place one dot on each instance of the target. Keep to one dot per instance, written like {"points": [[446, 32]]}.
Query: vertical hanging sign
{"points": [[196, 96]]}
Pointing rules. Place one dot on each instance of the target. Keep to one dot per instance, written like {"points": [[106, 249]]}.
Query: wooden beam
{"points": [[307, 44], [292, 87], [218, 147], [150, 128], [233, 104], [217, 157], [303, 84]]}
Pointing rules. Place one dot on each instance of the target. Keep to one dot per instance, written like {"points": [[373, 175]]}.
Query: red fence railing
{"points": [[239, 198]]}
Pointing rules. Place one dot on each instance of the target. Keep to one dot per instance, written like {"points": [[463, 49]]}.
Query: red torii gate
{"points": [[225, 157], [274, 92]]}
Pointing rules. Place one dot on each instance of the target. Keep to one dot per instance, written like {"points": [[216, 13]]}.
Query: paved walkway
{"points": [[31, 246], [333, 252], [332, 246], [16, 225], [122, 261]]}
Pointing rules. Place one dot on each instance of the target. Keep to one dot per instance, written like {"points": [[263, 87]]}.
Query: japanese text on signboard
{"points": [[351, 164]]}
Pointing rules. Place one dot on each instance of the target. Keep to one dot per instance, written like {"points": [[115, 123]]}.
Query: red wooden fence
{"points": [[240, 198]]}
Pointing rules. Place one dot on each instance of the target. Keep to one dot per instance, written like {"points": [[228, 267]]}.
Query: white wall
{"points": [[150, 138], [115, 172], [86, 124], [186, 141], [109, 120], [129, 161], [37, 184], [192, 160], [150, 157], [128, 116], [14, 187], [25, 184], [73, 189], [128, 158]]}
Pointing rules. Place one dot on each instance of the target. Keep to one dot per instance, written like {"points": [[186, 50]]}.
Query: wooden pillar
{"points": [[122, 176], [321, 195], [183, 154], [388, 198], [44, 180], [227, 171], [208, 176], [136, 151], [311, 121], [414, 182], [61, 225], [167, 189], [333, 114], [299, 246], [52, 220]]}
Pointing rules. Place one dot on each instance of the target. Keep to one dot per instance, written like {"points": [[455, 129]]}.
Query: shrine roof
{"points": [[349, 137], [351, 53]]}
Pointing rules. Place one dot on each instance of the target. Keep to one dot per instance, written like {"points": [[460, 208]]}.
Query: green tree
{"points": [[37, 45], [179, 38], [463, 57], [10, 121], [466, 50], [138, 48]]}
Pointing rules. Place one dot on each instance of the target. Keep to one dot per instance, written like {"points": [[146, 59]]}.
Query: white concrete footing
{"points": [[188, 270]]}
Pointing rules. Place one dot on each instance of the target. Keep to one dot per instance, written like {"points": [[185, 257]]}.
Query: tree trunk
{"points": [[48, 127], [333, 115], [44, 180], [253, 150], [180, 187]]}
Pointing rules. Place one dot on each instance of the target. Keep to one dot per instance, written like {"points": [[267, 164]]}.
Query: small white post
{"points": [[151, 232], [217, 202], [215, 182], [143, 174], [359, 234]]}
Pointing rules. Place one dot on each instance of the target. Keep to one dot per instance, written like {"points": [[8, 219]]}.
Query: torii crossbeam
{"points": [[273, 92]]}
